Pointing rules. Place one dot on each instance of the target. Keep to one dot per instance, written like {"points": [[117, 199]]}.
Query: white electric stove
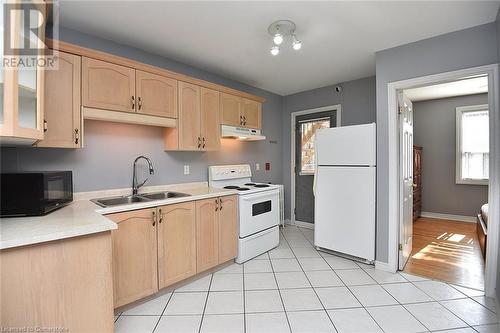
{"points": [[258, 209]]}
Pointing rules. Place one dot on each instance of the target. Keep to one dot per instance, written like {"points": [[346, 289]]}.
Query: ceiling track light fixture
{"points": [[280, 30]]}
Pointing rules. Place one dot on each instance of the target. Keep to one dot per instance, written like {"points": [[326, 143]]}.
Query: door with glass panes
{"points": [[305, 128]]}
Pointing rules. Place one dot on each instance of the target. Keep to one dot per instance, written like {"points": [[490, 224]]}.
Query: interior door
{"points": [[305, 129], [405, 109]]}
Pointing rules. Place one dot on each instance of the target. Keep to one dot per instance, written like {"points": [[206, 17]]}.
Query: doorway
{"points": [[304, 126], [399, 234]]}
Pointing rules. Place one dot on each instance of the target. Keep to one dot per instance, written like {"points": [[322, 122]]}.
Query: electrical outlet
{"points": [[186, 170], [257, 166]]}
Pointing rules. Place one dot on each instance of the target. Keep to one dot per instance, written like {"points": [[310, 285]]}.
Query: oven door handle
{"points": [[259, 196]]}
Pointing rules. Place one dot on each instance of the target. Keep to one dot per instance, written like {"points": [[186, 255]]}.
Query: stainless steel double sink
{"points": [[146, 197]]}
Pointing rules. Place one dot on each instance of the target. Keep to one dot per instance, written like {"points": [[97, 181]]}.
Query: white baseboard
{"points": [[383, 266], [306, 225], [461, 218]]}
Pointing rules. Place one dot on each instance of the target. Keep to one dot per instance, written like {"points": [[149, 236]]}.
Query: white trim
{"points": [[461, 218], [306, 225], [494, 184], [384, 267], [336, 107], [458, 145], [288, 221]]}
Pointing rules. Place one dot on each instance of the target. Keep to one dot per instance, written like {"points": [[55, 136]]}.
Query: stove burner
{"points": [[261, 185], [232, 187], [250, 184], [243, 189]]}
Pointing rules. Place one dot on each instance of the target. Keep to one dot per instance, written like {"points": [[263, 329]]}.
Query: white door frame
{"points": [[338, 109], [494, 181]]}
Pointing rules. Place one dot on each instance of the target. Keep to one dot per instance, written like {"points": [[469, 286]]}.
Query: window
{"points": [[472, 145], [308, 130]]}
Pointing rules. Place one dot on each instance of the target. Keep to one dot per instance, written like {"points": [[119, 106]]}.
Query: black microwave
{"points": [[34, 193]]}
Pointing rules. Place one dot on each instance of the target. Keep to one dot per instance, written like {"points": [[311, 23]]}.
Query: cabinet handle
{"points": [[139, 103], [133, 103], [203, 142], [199, 142], [220, 203], [160, 216], [77, 136], [154, 218], [244, 120], [216, 204], [241, 120], [45, 126]]}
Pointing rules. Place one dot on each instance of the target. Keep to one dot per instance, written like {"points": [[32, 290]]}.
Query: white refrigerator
{"points": [[344, 190]]}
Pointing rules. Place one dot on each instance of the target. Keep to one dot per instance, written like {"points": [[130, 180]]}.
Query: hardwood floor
{"points": [[448, 251]]}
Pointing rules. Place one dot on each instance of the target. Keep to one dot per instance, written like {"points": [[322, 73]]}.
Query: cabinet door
{"points": [[62, 104], [228, 228], [207, 234], [210, 124], [230, 108], [156, 95], [134, 255], [252, 113], [107, 86], [189, 116], [176, 243]]}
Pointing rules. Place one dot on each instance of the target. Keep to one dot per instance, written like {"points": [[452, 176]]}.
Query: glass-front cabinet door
{"points": [[21, 80]]}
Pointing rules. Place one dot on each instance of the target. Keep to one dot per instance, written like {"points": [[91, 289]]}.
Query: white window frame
{"points": [[458, 144]]}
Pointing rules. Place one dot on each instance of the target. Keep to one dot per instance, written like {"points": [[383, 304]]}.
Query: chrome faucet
{"points": [[135, 185]]}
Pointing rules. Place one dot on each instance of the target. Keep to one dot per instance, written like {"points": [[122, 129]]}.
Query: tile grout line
{"points": [[314, 290], [206, 301], [376, 283], [278, 288], [163, 311]]}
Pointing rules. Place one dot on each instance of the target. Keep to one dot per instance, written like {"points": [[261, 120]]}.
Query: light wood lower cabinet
{"points": [[216, 231], [176, 243], [156, 247], [62, 108], [228, 229], [134, 255], [64, 284], [207, 234]]}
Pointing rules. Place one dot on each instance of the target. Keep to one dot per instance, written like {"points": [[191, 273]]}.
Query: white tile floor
{"points": [[295, 288]]}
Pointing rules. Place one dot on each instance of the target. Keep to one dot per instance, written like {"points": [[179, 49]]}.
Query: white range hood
{"points": [[241, 133]]}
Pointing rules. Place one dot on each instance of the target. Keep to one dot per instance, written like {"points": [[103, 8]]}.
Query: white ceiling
{"points": [[340, 38], [470, 86]]}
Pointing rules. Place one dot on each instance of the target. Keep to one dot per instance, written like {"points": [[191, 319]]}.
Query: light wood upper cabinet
{"points": [[210, 123], [189, 117], [107, 86], [228, 228], [156, 95], [176, 243], [207, 234], [230, 109], [134, 255], [62, 104], [251, 113], [242, 112]]}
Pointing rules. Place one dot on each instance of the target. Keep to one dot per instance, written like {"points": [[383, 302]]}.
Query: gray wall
{"points": [[498, 59], [358, 107], [434, 128], [457, 50], [106, 160]]}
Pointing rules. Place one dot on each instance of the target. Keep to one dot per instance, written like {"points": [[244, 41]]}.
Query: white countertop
{"points": [[82, 217]]}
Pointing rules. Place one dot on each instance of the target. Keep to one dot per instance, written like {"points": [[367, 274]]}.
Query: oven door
{"points": [[258, 212]]}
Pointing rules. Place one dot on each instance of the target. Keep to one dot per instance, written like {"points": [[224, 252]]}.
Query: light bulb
{"points": [[275, 50], [296, 44], [278, 39]]}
